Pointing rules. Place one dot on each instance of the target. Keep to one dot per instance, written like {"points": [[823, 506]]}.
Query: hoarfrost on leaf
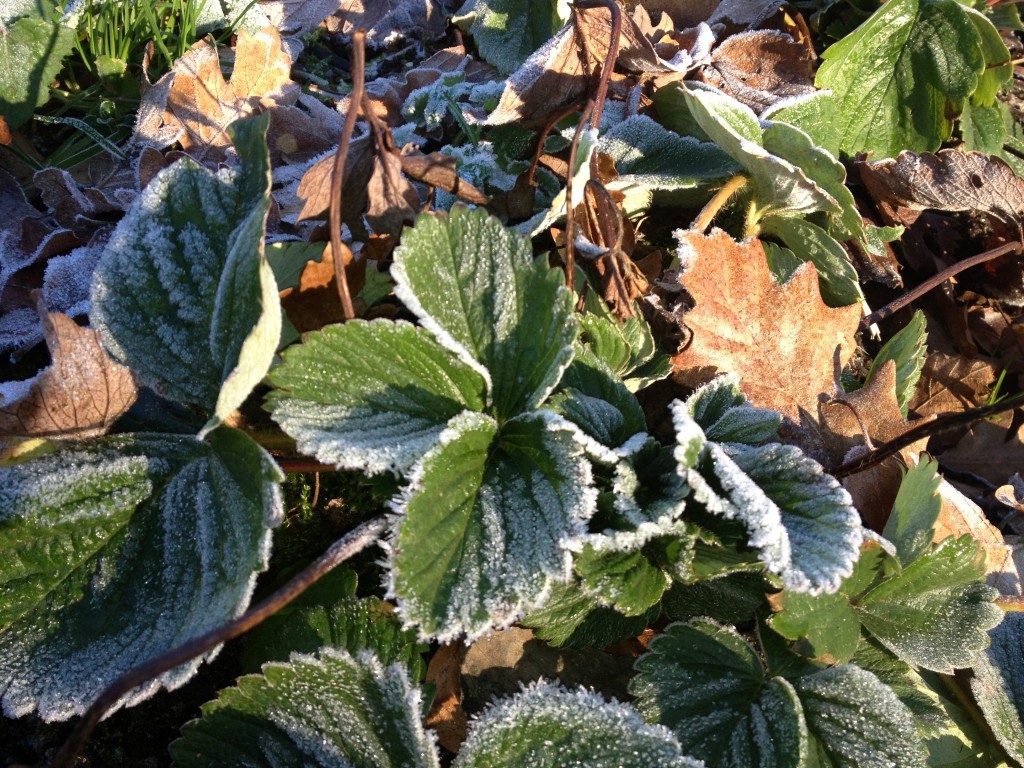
{"points": [[546, 726], [331, 709], [120, 549]]}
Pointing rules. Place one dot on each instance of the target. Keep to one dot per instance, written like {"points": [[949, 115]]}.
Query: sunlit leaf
{"points": [[546, 726], [329, 710], [120, 549], [998, 684]]}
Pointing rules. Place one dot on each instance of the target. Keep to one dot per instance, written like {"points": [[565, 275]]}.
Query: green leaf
{"points": [[119, 549], [779, 187], [826, 624], [182, 293], [347, 623], [907, 349], [486, 516], [330, 710], [998, 69], [911, 526], [725, 415], [507, 32], [894, 80], [571, 618], [288, 259], [815, 114], [650, 156], [983, 129], [799, 519], [732, 598], [936, 613], [855, 720], [782, 262], [708, 685], [31, 52], [629, 348], [626, 580], [547, 726], [837, 278], [477, 288], [371, 395], [998, 684]]}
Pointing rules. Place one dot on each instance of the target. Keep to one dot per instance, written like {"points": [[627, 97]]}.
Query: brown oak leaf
{"points": [[782, 340], [80, 395]]}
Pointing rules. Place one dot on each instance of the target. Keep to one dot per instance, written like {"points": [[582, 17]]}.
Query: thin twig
{"points": [[942, 423], [591, 115], [338, 173], [354, 542], [937, 280]]}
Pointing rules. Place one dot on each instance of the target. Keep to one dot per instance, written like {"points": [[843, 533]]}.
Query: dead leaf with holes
{"points": [[203, 103], [782, 340], [80, 395], [948, 181], [758, 68]]}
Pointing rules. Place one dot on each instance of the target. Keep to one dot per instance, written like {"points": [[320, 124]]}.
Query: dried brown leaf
{"points": [[782, 340], [393, 200], [759, 68], [315, 303], [948, 181], [989, 451], [439, 171], [385, 20], [446, 717], [558, 75], [80, 395], [952, 383], [297, 17]]}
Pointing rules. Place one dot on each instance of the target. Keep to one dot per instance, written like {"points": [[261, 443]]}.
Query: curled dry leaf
{"points": [[759, 68], [558, 75], [782, 341], [948, 181], [80, 395]]}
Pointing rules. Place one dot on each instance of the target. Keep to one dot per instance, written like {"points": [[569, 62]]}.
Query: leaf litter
{"points": [[714, 291]]}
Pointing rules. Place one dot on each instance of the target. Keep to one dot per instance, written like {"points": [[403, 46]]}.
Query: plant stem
{"points": [[338, 173], [936, 280], [714, 205], [344, 548]]}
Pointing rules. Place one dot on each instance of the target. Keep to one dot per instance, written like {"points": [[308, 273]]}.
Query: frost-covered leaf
{"points": [[725, 415], [486, 516], [826, 625], [629, 349], [328, 710], [732, 598], [998, 684], [780, 187], [894, 80], [183, 294], [937, 612], [348, 623], [371, 395], [911, 526], [814, 113], [800, 520], [573, 619], [626, 580], [650, 156], [907, 349], [31, 51], [855, 720], [595, 399], [475, 285], [507, 31], [547, 726], [708, 685], [119, 549]]}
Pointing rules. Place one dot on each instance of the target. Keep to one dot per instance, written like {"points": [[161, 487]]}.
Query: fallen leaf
{"points": [[558, 75], [951, 384], [204, 103], [782, 340], [386, 20], [439, 170], [393, 200], [446, 716], [759, 68], [80, 395], [314, 302], [989, 451], [948, 181], [294, 18]]}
